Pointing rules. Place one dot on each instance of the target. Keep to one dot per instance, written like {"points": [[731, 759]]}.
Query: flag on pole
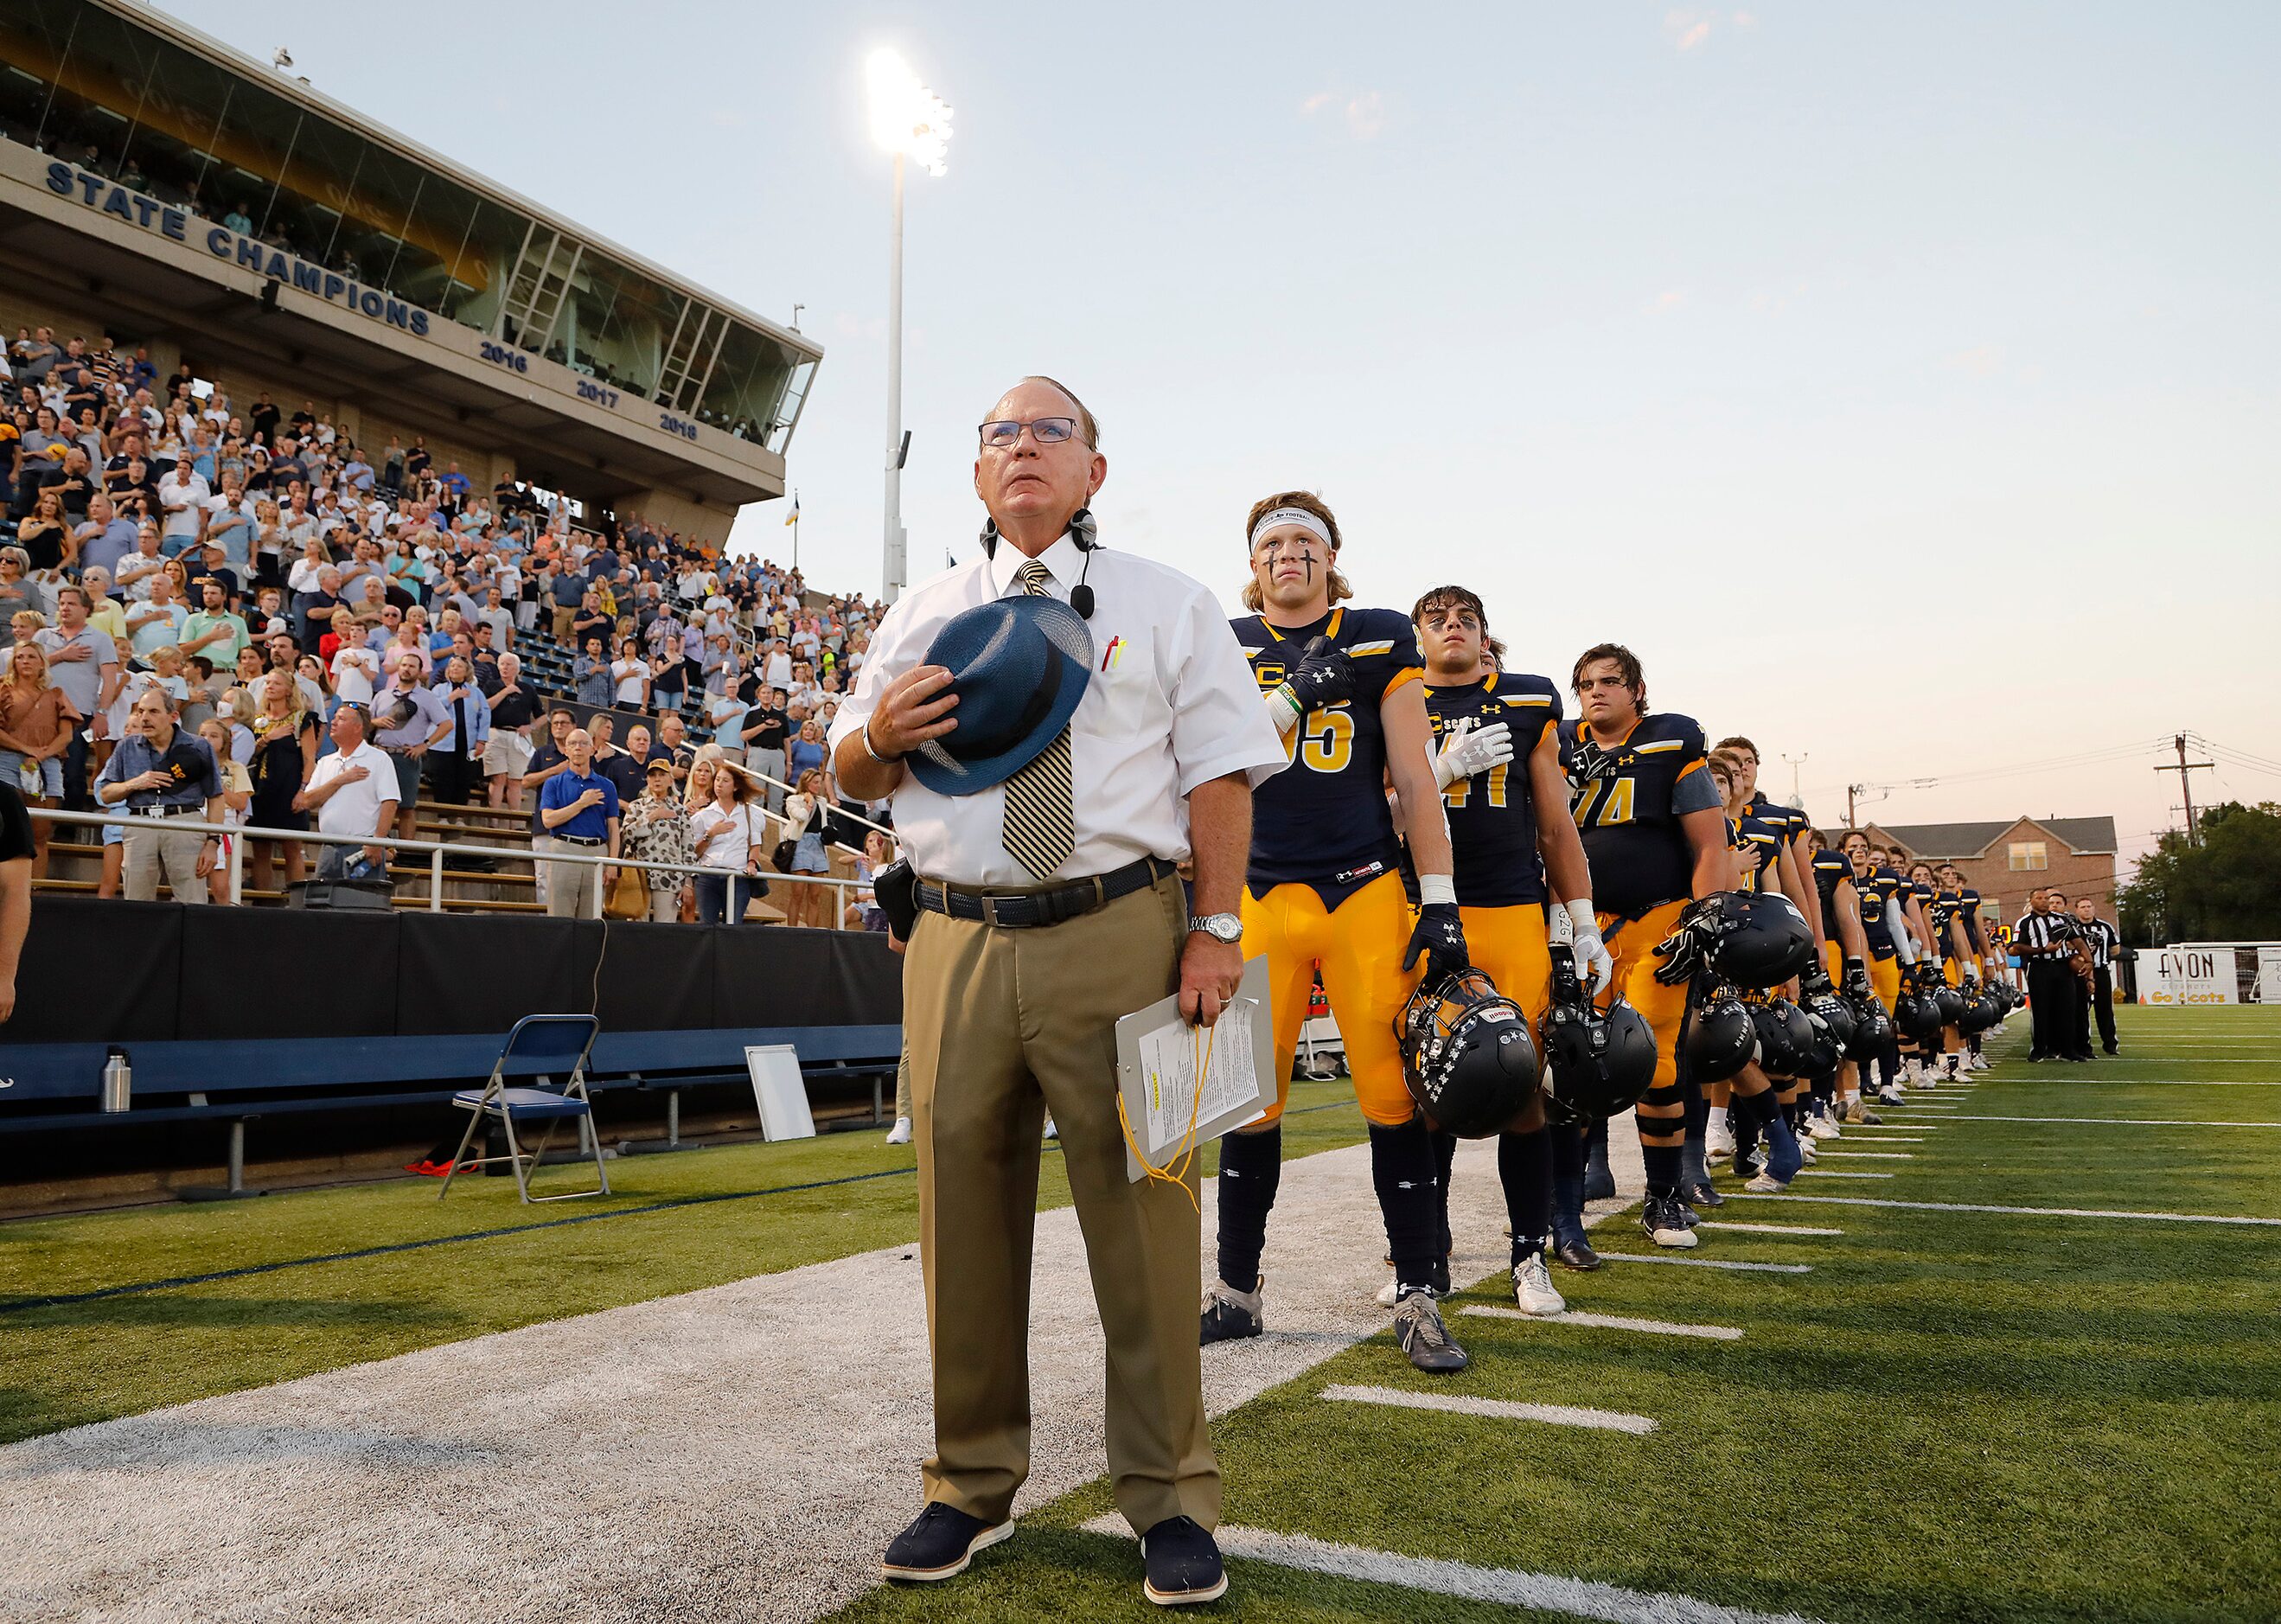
{"points": [[793, 517]]}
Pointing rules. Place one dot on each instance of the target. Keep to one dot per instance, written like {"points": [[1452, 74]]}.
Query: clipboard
{"points": [[1243, 1077]]}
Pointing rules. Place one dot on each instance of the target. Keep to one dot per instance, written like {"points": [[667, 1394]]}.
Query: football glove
{"points": [[1474, 750], [1593, 962], [1687, 949], [1325, 677], [1441, 937], [1857, 980], [1814, 983]]}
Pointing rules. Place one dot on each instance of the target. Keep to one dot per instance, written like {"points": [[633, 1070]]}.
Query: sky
{"points": [[1893, 380]]}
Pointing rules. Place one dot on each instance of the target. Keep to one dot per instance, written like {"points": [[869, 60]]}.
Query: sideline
{"points": [[1581, 1598], [1959, 1206]]}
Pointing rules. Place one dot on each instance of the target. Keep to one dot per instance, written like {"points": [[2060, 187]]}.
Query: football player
{"points": [[1846, 956], [1656, 839], [1979, 958], [1761, 847], [1887, 933], [1324, 887], [1497, 759]]}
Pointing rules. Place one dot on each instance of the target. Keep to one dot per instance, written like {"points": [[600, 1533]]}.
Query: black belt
{"points": [[582, 840], [1018, 909], [164, 811]]}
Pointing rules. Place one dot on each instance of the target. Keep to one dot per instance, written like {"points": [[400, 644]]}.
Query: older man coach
{"points": [[1048, 907]]}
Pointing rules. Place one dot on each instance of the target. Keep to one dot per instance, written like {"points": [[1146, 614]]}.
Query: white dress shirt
{"points": [[1171, 705], [354, 808]]}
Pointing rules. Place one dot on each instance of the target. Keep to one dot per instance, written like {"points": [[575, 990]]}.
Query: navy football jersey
{"points": [[1628, 799], [1944, 907], [1830, 870], [1325, 820], [1969, 900], [1492, 814], [1760, 843], [1878, 887]]}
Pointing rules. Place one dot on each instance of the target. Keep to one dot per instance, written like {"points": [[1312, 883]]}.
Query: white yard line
{"points": [[1496, 1409], [1886, 1138], [1767, 1229], [2134, 1122], [1960, 1206], [1618, 1322], [1871, 1156], [712, 1455], [1832, 1172], [1711, 1262], [1580, 1598], [2183, 1082]]}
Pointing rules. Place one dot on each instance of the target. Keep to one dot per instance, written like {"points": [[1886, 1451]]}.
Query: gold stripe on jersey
{"points": [[1383, 646], [1661, 744]]}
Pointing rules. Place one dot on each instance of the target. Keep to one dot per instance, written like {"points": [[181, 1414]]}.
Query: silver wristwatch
{"points": [[1220, 927]]}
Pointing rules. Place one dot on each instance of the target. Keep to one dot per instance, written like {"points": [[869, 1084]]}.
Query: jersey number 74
{"points": [[1603, 801]]}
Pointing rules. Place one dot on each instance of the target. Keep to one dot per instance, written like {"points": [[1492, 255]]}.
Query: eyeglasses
{"points": [[1044, 430]]}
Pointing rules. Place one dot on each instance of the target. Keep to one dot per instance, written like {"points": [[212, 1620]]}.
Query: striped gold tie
{"points": [[1040, 830]]}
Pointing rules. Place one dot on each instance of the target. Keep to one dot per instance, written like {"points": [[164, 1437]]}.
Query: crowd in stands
{"points": [[239, 576]]}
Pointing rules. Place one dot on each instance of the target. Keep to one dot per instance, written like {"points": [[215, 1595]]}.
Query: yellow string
{"points": [[1175, 1170]]}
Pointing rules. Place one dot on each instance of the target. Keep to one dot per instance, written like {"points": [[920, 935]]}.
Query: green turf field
{"points": [[1955, 1416], [71, 1363]]}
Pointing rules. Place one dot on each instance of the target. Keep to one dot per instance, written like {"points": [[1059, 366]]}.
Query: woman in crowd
{"points": [[590, 673], [45, 537], [724, 837], [630, 676], [36, 721], [863, 911], [285, 755], [237, 796], [656, 830], [269, 544], [805, 753], [452, 771], [16, 594], [803, 817], [411, 638]]}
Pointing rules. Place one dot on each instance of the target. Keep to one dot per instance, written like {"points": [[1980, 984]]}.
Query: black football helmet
{"points": [[1836, 1015], [1721, 1038], [1873, 1029], [1949, 1002], [1762, 939], [1600, 1063], [1918, 1017], [1466, 1055], [1785, 1038]]}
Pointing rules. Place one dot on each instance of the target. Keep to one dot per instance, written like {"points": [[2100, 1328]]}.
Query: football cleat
{"points": [[1662, 1220], [1806, 1153], [1576, 1254], [1702, 1195], [900, 1134], [1417, 1327], [1229, 1313], [1766, 1184], [1718, 1143], [1533, 1291]]}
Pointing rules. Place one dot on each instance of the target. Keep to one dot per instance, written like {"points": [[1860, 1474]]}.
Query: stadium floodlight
{"points": [[912, 122], [907, 118]]}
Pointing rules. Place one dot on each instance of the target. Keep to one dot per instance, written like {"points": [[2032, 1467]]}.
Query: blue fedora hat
{"points": [[1019, 666]]}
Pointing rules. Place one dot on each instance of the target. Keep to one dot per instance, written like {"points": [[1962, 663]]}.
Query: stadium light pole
{"points": [[912, 122]]}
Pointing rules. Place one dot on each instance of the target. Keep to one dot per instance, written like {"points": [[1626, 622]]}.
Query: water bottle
{"points": [[117, 1082]]}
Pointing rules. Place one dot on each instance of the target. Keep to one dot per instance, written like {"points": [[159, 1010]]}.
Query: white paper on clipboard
{"points": [[1156, 1071]]}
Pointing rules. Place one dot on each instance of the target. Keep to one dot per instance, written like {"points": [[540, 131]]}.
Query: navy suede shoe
{"points": [[940, 1544], [1183, 1564]]}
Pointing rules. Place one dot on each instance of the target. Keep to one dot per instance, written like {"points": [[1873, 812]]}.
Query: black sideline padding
{"points": [[96, 972]]}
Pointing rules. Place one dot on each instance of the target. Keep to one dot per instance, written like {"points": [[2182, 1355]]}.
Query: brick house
{"points": [[2003, 861]]}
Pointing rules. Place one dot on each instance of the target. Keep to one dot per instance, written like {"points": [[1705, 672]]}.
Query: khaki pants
{"points": [[570, 885], [152, 847], [1001, 1025]]}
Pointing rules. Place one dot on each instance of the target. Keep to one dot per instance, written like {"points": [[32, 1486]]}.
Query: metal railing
{"points": [[436, 850]]}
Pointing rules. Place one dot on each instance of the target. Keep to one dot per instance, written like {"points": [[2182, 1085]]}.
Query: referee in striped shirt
{"points": [[2104, 939], [2041, 940]]}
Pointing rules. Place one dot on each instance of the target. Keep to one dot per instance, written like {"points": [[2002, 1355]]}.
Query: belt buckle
{"points": [[989, 909]]}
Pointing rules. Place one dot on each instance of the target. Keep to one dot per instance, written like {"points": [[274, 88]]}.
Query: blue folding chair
{"points": [[541, 1047]]}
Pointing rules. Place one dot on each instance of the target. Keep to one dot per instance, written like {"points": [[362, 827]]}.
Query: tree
{"points": [[2228, 889]]}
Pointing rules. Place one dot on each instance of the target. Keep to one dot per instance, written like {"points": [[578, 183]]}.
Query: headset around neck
{"points": [[1083, 532]]}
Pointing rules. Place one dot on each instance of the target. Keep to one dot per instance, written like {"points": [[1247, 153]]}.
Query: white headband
{"points": [[1299, 516]]}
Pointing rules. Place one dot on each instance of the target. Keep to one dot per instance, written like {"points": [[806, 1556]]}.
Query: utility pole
{"points": [[1851, 790], [1796, 795], [2186, 770]]}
